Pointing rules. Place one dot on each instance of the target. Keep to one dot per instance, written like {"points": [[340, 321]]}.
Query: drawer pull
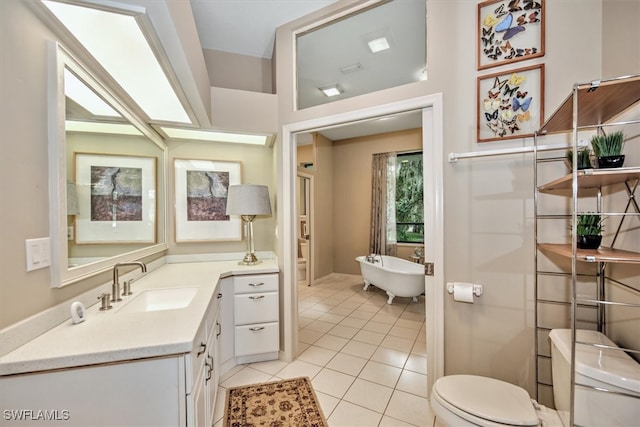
{"points": [[203, 348], [256, 329], [256, 284], [256, 297]]}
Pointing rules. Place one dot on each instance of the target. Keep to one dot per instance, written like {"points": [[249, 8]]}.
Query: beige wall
{"points": [[234, 71], [352, 192], [322, 237]]}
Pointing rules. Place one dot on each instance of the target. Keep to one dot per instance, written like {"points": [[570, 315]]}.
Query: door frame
{"points": [[433, 141]]}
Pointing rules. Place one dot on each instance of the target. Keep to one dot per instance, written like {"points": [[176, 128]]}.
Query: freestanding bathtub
{"points": [[397, 276]]}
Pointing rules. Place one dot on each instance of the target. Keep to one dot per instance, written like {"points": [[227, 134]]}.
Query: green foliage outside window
{"points": [[409, 199]]}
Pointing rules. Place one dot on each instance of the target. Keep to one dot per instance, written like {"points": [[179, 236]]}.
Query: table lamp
{"points": [[248, 201]]}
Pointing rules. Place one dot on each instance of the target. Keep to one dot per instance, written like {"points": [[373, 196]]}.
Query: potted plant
{"points": [[584, 158], [589, 231], [608, 149]]}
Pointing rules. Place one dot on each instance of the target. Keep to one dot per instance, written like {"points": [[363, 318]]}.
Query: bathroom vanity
{"points": [[153, 359]]}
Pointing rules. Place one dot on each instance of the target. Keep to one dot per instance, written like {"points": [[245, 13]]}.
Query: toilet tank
{"points": [[608, 369]]}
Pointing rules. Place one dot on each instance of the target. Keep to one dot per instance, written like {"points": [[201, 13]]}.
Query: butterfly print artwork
{"points": [[510, 103], [509, 30]]}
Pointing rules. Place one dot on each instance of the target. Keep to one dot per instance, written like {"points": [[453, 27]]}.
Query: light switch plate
{"points": [[38, 253]]}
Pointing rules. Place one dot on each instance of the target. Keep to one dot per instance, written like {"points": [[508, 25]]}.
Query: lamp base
{"points": [[249, 259]]}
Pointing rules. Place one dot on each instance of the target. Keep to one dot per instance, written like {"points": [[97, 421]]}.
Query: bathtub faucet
{"points": [[373, 258]]}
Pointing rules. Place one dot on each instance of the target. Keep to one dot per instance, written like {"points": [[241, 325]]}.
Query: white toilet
{"points": [[469, 400]]}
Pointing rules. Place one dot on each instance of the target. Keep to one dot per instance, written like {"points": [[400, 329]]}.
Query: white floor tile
{"points": [[320, 325], [369, 337], [413, 383], [353, 322], [271, 367], [347, 364], [420, 348], [349, 415], [399, 331], [327, 403], [332, 318], [417, 364], [331, 342], [390, 356], [309, 336], [401, 344], [298, 368], [343, 331], [370, 395], [359, 349], [317, 355], [380, 373], [332, 383], [246, 376], [382, 328], [410, 408], [392, 422]]}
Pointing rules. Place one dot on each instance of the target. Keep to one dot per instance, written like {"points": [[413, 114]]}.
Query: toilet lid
{"points": [[488, 398]]}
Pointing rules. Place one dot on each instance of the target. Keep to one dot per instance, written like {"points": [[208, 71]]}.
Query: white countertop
{"points": [[112, 336]]}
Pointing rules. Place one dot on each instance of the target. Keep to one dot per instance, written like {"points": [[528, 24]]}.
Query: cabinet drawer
{"points": [[257, 339], [255, 308], [255, 283]]}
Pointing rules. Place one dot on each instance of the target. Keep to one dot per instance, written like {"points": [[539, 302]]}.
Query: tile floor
{"points": [[366, 359]]}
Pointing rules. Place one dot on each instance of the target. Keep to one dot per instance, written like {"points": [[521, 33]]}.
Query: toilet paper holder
{"points": [[477, 289]]}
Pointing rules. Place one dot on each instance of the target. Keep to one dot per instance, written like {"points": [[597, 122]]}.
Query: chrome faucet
{"points": [[115, 286]]}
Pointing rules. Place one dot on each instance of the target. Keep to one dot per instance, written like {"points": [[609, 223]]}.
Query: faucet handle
{"points": [[104, 297], [126, 288]]}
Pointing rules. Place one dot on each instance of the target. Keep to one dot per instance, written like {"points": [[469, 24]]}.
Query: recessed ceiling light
{"points": [[215, 136], [332, 90], [379, 44]]}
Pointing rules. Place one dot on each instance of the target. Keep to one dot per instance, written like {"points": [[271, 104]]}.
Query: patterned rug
{"points": [[282, 403]]}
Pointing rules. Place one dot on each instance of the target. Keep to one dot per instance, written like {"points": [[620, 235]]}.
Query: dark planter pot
{"points": [[589, 242], [608, 162]]}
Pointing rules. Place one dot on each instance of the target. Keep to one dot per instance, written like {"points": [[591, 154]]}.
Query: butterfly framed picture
{"points": [[510, 104], [510, 31]]}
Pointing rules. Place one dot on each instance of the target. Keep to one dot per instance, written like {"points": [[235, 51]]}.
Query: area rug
{"points": [[282, 403]]}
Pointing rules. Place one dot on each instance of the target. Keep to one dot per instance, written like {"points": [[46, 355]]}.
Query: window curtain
{"points": [[382, 235]]}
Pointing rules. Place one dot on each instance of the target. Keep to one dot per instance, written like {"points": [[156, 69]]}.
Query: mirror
{"points": [[375, 48], [107, 169]]}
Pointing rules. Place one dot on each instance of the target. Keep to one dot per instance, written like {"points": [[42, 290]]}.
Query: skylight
{"points": [[215, 136], [117, 42]]}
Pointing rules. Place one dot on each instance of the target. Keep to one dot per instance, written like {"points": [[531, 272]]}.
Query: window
{"points": [[409, 198]]}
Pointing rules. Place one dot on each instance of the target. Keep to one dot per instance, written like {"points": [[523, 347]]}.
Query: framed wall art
{"points": [[116, 199], [201, 200], [510, 104], [509, 31]]}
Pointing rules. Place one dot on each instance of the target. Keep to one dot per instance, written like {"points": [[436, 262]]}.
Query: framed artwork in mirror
{"points": [[509, 31], [201, 188], [116, 199], [510, 104]]}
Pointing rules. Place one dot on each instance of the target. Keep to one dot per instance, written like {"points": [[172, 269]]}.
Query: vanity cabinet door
{"points": [[256, 308]]}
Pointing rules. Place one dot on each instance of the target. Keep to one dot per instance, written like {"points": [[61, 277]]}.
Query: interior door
{"points": [[303, 195]]}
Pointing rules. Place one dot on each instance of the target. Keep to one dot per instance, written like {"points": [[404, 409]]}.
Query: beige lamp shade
{"points": [[248, 199]]}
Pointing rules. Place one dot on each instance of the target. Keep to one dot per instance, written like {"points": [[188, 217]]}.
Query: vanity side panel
{"points": [[135, 393]]}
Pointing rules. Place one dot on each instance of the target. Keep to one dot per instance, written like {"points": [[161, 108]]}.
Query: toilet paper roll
{"points": [[463, 292], [78, 312]]}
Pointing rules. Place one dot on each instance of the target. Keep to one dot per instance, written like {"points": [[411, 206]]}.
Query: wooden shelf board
{"points": [[596, 105], [593, 178], [602, 254]]}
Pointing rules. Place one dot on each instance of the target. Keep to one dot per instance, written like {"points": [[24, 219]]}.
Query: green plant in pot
{"points": [[608, 149], [589, 231], [584, 158]]}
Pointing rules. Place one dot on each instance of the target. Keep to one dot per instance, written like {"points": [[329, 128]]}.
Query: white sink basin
{"points": [[160, 299]]}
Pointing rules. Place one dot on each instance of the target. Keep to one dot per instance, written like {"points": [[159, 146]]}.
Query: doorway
{"points": [[431, 107]]}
